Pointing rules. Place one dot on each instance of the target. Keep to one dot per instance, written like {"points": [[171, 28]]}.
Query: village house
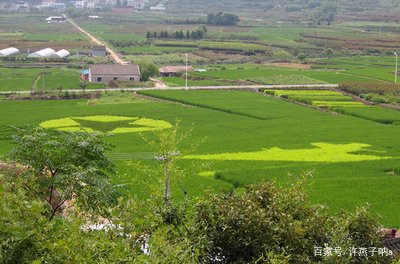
{"points": [[137, 4], [105, 73], [170, 71], [99, 51]]}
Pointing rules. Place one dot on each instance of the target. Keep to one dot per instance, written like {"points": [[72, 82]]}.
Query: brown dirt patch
{"points": [[291, 65]]}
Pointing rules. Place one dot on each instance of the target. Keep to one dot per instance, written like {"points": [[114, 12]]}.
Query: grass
{"points": [[178, 81], [277, 137], [17, 79], [20, 79]]}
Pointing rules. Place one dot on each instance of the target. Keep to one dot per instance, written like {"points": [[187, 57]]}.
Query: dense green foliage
{"points": [[223, 19], [269, 221], [148, 70]]}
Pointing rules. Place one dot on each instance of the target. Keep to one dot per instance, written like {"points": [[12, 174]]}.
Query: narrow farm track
{"points": [[98, 42]]}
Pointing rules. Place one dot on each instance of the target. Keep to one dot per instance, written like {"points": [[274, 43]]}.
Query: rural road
{"points": [[247, 87], [98, 42]]}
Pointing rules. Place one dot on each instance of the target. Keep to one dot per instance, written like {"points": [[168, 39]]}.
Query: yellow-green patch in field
{"points": [[106, 124], [322, 152]]}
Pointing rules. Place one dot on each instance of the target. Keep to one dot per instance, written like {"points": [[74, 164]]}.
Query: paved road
{"points": [[247, 87], [98, 42]]}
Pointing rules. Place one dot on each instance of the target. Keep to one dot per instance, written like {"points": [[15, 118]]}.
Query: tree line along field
{"points": [[242, 138]]}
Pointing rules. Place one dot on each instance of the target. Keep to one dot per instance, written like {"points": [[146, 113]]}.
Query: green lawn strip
{"points": [[178, 81]]}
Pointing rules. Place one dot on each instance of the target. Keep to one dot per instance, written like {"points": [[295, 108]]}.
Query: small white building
{"points": [[56, 19], [44, 53], [80, 4], [8, 52], [137, 4], [159, 7]]}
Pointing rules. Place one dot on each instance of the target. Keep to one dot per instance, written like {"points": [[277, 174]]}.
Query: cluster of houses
{"points": [[106, 73]]}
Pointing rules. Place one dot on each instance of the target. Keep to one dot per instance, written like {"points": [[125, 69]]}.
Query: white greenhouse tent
{"points": [[61, 54], [44, 53], [8, 52]]}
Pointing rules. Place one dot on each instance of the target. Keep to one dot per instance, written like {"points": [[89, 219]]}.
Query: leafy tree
{"points": [[302, 57], [83, 84], [65, 166], [148, 70], [326, 13], [223, 19]]}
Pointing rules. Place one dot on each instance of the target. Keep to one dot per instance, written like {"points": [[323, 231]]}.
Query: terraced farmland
{"points": [[340, 103]]}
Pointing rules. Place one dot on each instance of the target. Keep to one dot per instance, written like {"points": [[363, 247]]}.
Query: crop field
{"points": [[279, 75], [337, 102], [17, 79], [33, 32], [244, 138], [374, 67]]}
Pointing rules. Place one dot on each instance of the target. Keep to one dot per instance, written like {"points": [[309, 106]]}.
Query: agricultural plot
{"points": [[20, 79], [337, 102], [279, 75], [247, 138], [373, 67], [32, 32]]}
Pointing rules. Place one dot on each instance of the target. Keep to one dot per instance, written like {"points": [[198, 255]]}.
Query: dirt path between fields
{"points": [[117, 59], [158, 83]]}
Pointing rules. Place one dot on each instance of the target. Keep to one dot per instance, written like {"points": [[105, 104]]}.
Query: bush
{"points": [[269, 218], [375, 98], [358, 88]]}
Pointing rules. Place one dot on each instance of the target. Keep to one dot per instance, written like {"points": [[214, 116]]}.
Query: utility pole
{"points": [[395, 76], [43, 76], [186, 80]]}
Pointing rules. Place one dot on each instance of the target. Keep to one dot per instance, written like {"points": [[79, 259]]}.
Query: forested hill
{"points": [[292, 9]]}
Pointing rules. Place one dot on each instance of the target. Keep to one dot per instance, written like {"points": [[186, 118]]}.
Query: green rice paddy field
{"points": [[246, 138]]}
